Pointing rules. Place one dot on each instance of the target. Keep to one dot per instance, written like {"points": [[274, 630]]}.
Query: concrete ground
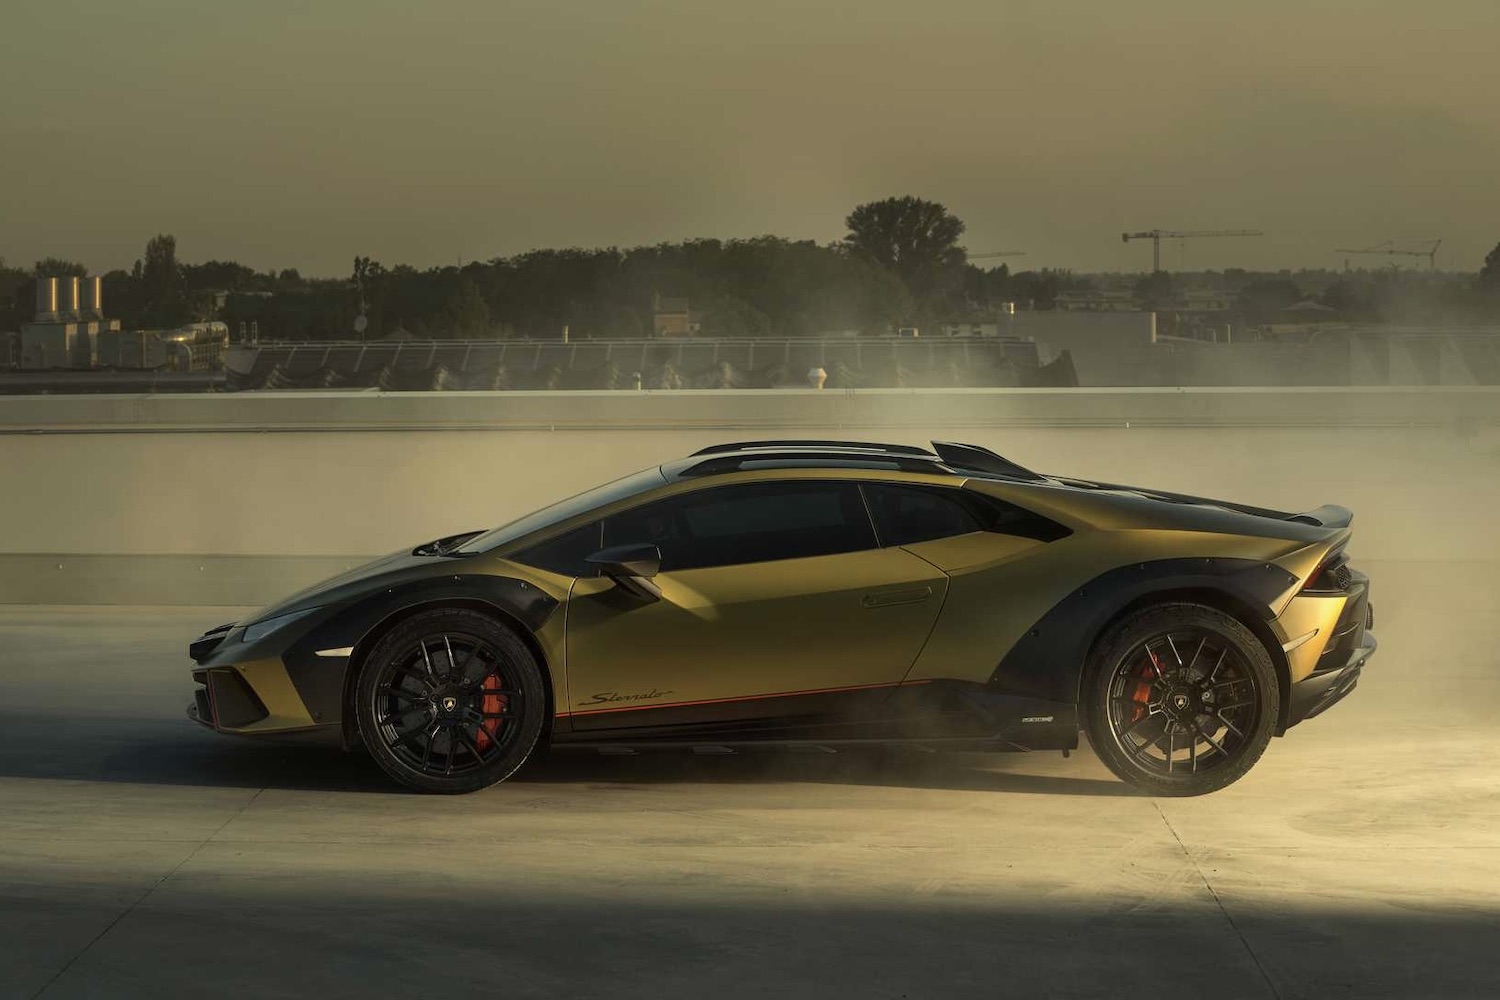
{"points": [[143, 856]]}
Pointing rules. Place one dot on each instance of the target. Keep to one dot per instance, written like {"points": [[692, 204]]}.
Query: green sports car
{"points": [[819, 594]]}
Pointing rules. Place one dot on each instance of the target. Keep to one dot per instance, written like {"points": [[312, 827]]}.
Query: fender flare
{"points": [[1050, 659], [323, 681]]}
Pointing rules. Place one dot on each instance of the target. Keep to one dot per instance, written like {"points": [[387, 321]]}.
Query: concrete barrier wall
{"points": [[235, 499], [1212, 406]]}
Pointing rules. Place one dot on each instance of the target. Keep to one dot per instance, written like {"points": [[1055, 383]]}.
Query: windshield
{"points": [[620, 489]]}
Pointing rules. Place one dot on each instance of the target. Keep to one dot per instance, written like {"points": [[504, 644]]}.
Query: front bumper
{"points": [[225, 701], [264, 688], [252, 698]]}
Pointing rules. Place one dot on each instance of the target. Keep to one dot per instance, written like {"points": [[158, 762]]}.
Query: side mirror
{"points": [[632, 567]]}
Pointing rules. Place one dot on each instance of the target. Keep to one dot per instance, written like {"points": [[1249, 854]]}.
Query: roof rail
{"points": [[972, 458], [722, 463], [895, 449]]}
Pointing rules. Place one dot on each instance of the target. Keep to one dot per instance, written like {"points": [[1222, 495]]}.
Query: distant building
{"points": [[1192, 300], [70, 332], [1202, 300], [193, 347], [69, 321], [970, 328], [1307, 316], [672, 317], [1097, 300]]}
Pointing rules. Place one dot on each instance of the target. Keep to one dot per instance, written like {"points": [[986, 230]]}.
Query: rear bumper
{"points": [[1324, 688]]}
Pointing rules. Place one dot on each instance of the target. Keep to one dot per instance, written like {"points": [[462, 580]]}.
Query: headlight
{"points": [[261, 629]]}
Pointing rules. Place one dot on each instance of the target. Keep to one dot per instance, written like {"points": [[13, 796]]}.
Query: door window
{"points": [[761, 522]]}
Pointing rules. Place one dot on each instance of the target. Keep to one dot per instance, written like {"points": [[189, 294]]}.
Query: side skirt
{"points": [[962, 714], [714, 747]]}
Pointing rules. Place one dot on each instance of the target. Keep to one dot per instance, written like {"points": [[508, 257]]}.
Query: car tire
{"points": [[450, 701], [1180, 699]]}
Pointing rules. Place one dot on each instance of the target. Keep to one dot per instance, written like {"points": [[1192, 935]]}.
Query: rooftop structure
{"points": [[69, 322]]}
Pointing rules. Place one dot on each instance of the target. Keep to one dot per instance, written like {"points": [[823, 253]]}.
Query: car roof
{"points": [[946, 458]]}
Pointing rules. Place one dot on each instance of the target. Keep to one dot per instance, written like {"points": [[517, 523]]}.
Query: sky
{"points": [[301, 134]]}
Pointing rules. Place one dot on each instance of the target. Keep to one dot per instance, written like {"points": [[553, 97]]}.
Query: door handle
{"points": [[894, 596]]}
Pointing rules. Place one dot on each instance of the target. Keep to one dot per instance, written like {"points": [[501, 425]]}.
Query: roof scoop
{"points": [[972, 458]]}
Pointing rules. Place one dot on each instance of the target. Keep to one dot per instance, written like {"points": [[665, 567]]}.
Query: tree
{"points": [[916, 239], [1154, 291], [162, 300], [728, 316], [15, 298], [1263, 298], [465, 314], [1343, 296], [122, 297], [1039, 289], [218, 276], [1489, 275], [57, 267]]}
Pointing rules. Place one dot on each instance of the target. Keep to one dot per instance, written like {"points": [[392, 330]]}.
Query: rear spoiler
{"points": [[1327, 516]]}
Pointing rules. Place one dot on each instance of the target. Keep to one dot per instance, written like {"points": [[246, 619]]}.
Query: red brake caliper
{"points": [[490, 705], [1141, 696]]}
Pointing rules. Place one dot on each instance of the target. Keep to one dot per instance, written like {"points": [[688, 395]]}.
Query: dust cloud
{"points": [[1424, 498]]}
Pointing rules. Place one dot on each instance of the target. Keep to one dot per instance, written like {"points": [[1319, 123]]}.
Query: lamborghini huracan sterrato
{"points": [[819, 594]]}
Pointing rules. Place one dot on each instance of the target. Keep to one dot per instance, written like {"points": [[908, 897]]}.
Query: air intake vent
{"points": [[972, 458]]}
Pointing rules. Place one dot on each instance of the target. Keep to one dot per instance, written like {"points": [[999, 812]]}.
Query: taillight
{"points": [[1331, 577]]}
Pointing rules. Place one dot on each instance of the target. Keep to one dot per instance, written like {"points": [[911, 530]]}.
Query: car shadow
{"points": [[168, 751], [893, 767]]}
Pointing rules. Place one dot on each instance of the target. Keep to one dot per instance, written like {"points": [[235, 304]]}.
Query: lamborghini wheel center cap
{"points": [[449, 703], [1180, 704]]}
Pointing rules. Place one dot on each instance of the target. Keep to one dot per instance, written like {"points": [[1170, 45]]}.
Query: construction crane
{"points": [[1390, 249], [1157, 235], [996, 253]]}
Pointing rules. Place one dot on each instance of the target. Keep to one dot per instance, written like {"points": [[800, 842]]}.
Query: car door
{"points": [[987, 549], [776, 602]]}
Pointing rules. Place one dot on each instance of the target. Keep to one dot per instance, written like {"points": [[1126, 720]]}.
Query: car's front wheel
{"points": [[450, 700], [1180, 699]]}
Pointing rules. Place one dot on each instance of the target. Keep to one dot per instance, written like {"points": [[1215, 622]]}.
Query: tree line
{"points": [[900, 263]]}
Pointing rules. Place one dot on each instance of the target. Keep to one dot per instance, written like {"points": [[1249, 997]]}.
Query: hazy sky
{"points": [[301, 134]]}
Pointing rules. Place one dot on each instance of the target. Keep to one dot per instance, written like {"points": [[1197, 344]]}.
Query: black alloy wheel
{"points": [[450, 701], [1182, 699]]}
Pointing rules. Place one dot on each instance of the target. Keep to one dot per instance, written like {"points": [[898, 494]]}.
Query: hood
{"points": [[388, 570]]}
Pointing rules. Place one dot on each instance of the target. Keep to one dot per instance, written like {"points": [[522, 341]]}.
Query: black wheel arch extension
{"points": [[356, 659], [1051, 659], [326, 685]]}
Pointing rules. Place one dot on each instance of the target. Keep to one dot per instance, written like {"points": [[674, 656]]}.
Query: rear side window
{"points": [[905, 515], [761, 522], [565, 554], [1008, 519]]}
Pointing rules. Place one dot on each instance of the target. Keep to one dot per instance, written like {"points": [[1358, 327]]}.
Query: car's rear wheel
{"points": [[450, 700], [1180, 699]]}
